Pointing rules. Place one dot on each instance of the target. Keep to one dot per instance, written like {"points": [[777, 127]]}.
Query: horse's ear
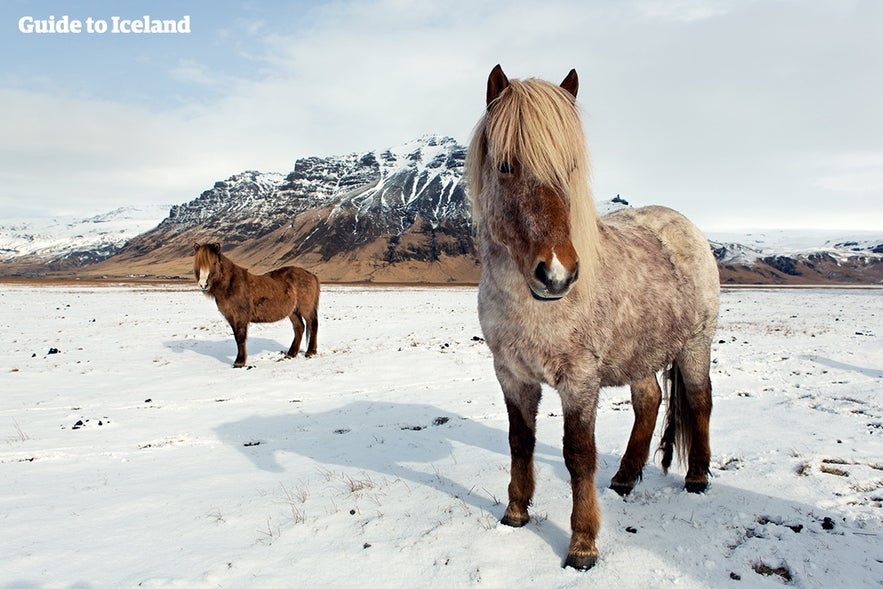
{"points": [[571, 83], [196, 245], [216, 247], [496, 83]]}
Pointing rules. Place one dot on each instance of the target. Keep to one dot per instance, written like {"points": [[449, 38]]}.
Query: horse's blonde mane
{"points": [[538, 125]]}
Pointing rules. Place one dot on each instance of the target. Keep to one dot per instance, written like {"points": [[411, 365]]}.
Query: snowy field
{"points": [[133, 455]]}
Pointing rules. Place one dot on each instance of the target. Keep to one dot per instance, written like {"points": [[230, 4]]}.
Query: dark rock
{"points": [[783, 264]]}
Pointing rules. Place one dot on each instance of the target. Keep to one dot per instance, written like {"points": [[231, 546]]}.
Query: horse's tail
{"points": [[677, 435]]}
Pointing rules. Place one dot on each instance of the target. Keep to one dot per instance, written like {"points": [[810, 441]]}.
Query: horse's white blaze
{"points": [[557, 272], [203, 278]]}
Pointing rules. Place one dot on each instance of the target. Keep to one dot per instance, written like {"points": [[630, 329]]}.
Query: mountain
{"points": [[799, 257], [398, 214], [38, 245], [391, 215]]}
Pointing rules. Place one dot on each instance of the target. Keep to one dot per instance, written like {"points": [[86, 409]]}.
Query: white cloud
{"points": [[860, 173], [686, 10], [700, 105]]}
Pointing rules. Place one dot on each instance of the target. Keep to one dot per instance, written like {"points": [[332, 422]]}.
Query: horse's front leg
{"points": [[522, 401], [580, 457]]}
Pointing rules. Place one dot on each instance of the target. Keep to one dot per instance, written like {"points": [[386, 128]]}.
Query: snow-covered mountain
{"points": [[799, 256], [389, 215], [392, 214], [76, 241]]}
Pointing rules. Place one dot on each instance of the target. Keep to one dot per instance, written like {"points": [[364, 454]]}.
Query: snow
{"points": [[383, 461]]}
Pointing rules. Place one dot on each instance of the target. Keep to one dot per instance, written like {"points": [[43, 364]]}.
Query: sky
{"points": [[741, 114]]}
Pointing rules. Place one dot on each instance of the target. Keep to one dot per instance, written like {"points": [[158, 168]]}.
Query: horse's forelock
{"points": [[204, 258], [537, 124]]}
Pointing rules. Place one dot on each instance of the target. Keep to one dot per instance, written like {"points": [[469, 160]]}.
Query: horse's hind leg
{"points": [[694, 378], [522, 402], [699, 401], [313, 325], [297, 321], [646, 397]]}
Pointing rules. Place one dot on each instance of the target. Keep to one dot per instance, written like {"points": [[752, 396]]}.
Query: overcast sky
{"points": [[742, 114]]}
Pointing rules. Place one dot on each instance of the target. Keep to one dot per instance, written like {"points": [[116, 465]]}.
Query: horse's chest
{"points": [[531, 348]]}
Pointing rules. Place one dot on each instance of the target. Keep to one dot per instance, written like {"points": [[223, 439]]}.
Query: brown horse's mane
{"points": [[538, 124]]}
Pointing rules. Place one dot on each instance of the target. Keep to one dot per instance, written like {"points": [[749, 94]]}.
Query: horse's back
{"points": [[293, 274], [304, 283], [684, 245]]}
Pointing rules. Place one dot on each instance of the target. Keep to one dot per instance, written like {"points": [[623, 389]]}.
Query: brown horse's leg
{"points": [[240, 333], [580, 456], [646, 397], [522, 402], [297, 321], [699, 415], [691, 401], [313, 321]]}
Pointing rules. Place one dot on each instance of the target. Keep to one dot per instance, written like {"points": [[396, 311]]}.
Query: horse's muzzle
{"points": [[551, 284]]}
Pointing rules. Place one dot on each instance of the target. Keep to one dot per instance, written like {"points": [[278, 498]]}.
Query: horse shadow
{"points": [[393, 439], [405, 441], [831, 363], [225, 350]]}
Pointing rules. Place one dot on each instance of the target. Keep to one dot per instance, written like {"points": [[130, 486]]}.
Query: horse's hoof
{"points": [[309, 354], [239, 365], [696, 487], [515, 521], [581, 562], [621, 489]]}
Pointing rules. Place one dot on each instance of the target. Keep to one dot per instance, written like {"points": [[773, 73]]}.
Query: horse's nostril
{"points": [[541, 274]]}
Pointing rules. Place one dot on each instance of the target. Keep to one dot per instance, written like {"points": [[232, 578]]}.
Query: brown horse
{"points": [[243, 297], [580, 302]]}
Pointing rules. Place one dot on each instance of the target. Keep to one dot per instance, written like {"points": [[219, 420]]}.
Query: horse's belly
{"points": [[271, 309]]}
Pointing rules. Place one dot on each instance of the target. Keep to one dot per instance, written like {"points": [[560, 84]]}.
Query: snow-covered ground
{"points": [[136, 456]]}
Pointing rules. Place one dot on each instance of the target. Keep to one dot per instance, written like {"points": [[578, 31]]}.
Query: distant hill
{"points": [[60, 244], [793, 257]]}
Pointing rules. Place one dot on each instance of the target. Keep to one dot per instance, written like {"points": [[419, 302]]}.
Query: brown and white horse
{"points": [[580, 302], [243, 297]]}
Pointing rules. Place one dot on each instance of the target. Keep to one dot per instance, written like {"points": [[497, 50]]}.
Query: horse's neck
{"points": [[228, 271]]}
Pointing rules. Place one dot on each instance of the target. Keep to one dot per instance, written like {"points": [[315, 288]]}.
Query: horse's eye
{"points": [[505, 168]]}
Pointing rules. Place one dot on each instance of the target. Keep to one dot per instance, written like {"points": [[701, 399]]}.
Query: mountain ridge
{"points": [[398, 214]]}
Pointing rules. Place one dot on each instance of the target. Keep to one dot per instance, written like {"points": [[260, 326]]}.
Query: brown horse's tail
{"points": [[677, 435]]}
